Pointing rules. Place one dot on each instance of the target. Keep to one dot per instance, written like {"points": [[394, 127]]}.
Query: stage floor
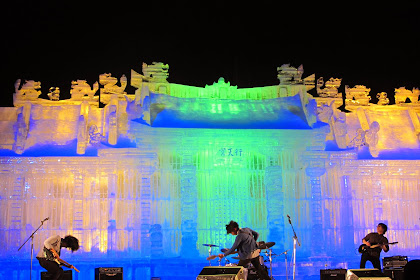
{"points": [[173, 269]]}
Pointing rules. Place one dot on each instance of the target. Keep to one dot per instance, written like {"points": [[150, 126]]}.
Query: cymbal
{"points": [[266, 245], [223, 250], [210, 245]]}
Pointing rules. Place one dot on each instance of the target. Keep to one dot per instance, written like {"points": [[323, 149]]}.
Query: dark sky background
{"points": [[62, 41]]}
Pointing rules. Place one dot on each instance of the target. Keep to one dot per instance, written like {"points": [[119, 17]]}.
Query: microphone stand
{"points": [[32, 245], [295, 241]]}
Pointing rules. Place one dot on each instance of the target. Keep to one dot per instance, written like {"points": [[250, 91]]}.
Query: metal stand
{"points": [[294, 257], [285, 262], [32, 245], [210, 255], [269, 254], [295, 241]]}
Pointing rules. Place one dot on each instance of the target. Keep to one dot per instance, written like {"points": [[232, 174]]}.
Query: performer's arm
{"points": [[385, 247], [255, 234], [235, 245], [366, 240]]}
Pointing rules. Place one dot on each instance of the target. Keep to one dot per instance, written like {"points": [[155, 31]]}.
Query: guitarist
{"points": [[54, 244], [373, 254], [245, 243]]}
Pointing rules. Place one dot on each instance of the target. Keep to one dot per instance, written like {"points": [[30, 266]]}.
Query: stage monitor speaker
{"points": [[412, 270], [68, 275], [394, 273], [333, 274], [108, 273], [222, 273], [365, 274]]}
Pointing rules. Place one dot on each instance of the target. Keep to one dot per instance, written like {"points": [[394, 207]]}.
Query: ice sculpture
{"points": [[135, 183], [402, 94], [288, 74], [80, 89], [54, 93], [382, 98], [330, 89], [358, 95], [111, 87], [28, 90]]}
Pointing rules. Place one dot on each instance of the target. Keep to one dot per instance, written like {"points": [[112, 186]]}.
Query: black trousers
{"points": [[52, 267], [262, 273], [373, 259]]}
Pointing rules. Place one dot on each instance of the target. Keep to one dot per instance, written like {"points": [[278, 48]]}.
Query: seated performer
{"points": [[246, 245], [373, 254], [54, 245]]}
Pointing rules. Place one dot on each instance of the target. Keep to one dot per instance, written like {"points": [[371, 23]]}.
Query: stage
{"points": [[176, 268]]}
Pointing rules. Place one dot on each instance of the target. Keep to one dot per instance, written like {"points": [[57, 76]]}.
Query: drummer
{"points": [[245, 243]]}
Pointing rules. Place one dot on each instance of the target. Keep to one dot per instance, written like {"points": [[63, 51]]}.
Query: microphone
{"points": [[290, 221], [46, 219]]}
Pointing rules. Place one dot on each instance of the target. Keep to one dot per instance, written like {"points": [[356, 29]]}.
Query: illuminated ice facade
{"points": [[153, 175]]}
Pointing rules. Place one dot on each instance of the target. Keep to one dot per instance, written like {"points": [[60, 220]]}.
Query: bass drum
{"points": [[252, 271]]}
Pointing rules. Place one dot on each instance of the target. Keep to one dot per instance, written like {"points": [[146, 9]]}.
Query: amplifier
{"points": [[336, 274], [68, 275], [108, 273], [394, 261], [222, 273]]}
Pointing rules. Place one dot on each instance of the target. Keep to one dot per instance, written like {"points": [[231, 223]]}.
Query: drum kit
{"points": [[265, 249]]}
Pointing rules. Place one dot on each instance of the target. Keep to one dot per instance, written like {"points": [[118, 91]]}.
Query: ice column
{"points": [[188, 204], [78, 204], [377, 199], [145, 197], [317, 236], [17, 194], [347, 214], [275, 204]]}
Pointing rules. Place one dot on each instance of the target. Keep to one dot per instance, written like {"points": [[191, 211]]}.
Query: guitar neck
{"points": [[378, 245], [67, 264]]}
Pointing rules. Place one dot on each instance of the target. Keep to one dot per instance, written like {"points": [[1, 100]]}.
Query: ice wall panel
{"points": [[132, 203]]}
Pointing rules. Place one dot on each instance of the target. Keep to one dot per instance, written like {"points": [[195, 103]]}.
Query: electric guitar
{"points": [[50, 257], [365, 248]]}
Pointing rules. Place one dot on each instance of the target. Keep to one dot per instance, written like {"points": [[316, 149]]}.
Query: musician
{"points": [[245, 243], [54, 245], [374, 238]]}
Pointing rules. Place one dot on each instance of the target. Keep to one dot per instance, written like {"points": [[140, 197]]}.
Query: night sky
{"points": [[59, 42]]}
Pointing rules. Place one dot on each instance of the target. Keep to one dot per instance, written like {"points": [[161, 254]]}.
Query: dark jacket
{"points": [[245, 242]]}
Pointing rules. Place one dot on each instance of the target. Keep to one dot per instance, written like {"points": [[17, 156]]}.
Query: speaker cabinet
{"points": [[108, 273], [333, 274], [68, 275]]}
